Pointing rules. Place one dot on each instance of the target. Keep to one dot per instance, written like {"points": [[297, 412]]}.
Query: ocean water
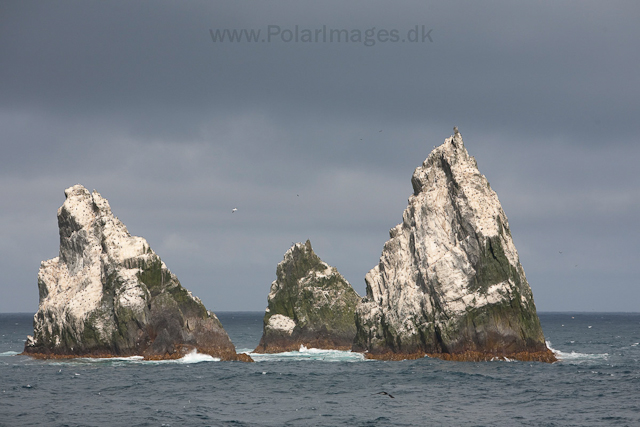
{"points": [[596, 383]]}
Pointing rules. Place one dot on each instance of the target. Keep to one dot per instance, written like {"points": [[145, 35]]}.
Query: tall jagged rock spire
{"points": [[108, 293], [449, 281]]}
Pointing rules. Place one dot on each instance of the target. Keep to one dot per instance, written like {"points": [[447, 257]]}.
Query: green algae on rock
{"points": [[449, 282], [309, 304], [109, 294]]}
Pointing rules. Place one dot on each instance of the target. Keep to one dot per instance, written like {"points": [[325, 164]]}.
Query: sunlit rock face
{"points": [[309, 304], [109, 294], [449, 282]]}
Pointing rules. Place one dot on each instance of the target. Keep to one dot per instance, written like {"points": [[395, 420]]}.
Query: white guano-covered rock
{"points": [[449, 278], [108, 293], [281, 323]]}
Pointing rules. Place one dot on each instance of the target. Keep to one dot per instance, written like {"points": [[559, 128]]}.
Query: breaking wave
{"points": [[194, 357], [575, 357], [190, 358]]}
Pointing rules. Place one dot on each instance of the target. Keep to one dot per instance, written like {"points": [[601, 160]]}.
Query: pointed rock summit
{"points": [[449, 282], [109, 294], [309, 304]]}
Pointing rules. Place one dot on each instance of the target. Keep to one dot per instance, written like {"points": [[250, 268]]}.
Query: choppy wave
{"points": [[583, 389], [9, 353], [575, 356], [309, 354]]}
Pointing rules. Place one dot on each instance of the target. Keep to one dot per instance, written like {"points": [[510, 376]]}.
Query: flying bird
{"points": [[385, 393], [234, 210]]}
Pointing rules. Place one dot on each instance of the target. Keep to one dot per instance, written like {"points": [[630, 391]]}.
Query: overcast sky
{"points": [[318, 140]]}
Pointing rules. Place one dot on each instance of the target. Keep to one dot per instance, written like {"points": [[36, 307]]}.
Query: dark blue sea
{"points": [[596, 383]]}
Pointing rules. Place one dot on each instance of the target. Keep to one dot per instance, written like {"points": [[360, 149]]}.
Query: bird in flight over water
{"points": [[385, 393], [234, 210]]}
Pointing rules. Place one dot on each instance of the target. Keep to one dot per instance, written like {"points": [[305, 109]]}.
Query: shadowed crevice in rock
{"points": [[109, 294], [449, 282], [309, 304]]}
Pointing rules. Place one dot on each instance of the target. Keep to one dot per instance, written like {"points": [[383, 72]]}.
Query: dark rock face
{"points": [[449, 282], [109, 294], [309, 304]]}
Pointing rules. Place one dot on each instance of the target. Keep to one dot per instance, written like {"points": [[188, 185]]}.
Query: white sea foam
{"points": [[9, 353], [575, 357], [309, 354], [506, 359], [110, 359], [193, 357], [190, 358]]}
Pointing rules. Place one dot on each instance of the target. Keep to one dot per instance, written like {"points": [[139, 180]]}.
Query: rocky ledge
{"points": [[309, 304], [109, 294], [449, 283]]}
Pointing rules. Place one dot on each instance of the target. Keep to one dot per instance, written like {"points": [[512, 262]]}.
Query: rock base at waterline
{"points": [[179, 353], [546, 356]]}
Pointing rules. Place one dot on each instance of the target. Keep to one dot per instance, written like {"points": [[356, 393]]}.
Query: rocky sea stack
{"points": [[449, 282], [309, 304], [109, 294]]}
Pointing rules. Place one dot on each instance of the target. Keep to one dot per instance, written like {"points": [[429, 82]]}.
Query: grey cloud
{"points": [[135, 100]]}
